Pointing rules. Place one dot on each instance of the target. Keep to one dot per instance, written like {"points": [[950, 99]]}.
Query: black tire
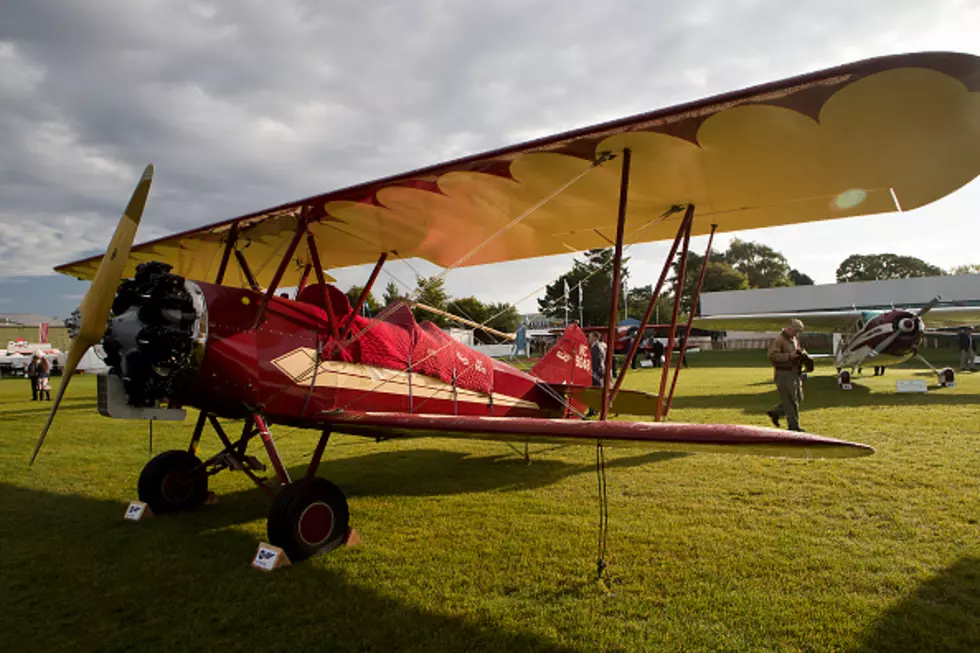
{"points": [[167, 485], [308, 517]]}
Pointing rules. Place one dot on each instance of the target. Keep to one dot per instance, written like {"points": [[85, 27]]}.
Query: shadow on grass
{"points": [[433, 472], [44, 407], [420, 473], [940, 616], [822, 392], [77, 577]]}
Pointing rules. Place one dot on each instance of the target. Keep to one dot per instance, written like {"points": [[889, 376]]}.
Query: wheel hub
{"points": [[177, 487], [316, 524]]}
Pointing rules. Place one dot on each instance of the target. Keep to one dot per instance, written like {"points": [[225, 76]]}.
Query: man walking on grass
{"points": [[787, 360]]}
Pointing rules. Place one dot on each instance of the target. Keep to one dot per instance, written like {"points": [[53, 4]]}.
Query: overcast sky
{"points": [[247, 104]]}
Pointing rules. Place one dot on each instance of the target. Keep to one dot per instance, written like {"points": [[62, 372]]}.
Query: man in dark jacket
{"points": [[786, 357], [967, 356], [658, 352]]}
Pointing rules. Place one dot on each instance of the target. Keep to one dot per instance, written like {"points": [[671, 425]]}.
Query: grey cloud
{"points": [[246, 105]]}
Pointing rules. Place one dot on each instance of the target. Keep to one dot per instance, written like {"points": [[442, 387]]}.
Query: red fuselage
{"points": [[272, 368]]}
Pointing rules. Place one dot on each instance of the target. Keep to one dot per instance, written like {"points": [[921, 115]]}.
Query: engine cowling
{"points": [[907, 324], [156, 333]]}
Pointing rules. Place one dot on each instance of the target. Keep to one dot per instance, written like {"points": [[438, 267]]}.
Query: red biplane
{"points": [[200, 323]]}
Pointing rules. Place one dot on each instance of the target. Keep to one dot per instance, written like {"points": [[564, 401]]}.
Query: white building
{"points": [[957, 290]]}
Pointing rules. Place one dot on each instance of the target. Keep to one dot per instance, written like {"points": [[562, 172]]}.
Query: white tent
{"points": [[92, 362]]}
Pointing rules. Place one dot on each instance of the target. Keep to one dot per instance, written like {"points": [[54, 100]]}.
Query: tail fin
{"points": [[568, 362]]}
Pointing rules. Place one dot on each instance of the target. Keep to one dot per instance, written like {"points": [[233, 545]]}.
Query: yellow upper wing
{"points": [[854, 140]]}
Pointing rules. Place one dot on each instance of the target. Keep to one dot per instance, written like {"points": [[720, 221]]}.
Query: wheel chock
{"points": [[353, 538], [268, 557], [136, 511]]}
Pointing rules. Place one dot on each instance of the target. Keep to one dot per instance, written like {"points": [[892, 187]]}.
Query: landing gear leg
{"points": [[173, 481], [946, 376], [309, 516]]}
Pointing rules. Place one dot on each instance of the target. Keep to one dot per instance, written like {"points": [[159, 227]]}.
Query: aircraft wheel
{"points": [[167, 483], [307, 517], [947, 377]]}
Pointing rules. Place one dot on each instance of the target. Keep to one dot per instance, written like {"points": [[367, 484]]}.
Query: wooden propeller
{"points": [[98, 300]]}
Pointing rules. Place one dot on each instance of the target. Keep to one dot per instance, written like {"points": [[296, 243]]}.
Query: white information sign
{"points": [[268, 557], [911, 385], [136, 511]]}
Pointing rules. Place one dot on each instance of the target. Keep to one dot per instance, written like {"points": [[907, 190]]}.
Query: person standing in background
{"points": [[597, 349], [786, 357], [658, 352], [967, 355], [38, 372]]}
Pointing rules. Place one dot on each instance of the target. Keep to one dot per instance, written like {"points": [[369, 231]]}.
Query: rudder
{"points": [[568, 362]]}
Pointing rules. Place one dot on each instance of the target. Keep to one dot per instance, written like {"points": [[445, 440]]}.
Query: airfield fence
{"points": [[810, 342], [815, 342]]}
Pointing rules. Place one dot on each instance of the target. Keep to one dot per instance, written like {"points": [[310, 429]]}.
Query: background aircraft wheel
{"points": [[167, 483], [307, 517]]}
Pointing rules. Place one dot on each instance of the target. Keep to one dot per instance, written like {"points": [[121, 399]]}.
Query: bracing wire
{"points": [[385, 313], [660, 218], [603, 158], [562, 400]]}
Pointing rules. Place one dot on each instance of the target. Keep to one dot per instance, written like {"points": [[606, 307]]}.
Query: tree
{"points": [[874, 267], [593, 278], [720, 275], [800, 279], [743, 265], [969, 268], [469, 308], [431, 291], [502, 317], [639, 299], [392, 294], [354, 293], [763, 266]]}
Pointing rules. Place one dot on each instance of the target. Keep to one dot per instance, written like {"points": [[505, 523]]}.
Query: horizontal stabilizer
{"points": [[628, 402]]}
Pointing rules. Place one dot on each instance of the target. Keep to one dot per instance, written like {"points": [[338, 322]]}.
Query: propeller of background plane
{"points": [[98, 300], [899, 331]]}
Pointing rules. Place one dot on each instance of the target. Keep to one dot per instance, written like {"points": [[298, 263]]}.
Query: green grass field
{"points": [[466, 548]]}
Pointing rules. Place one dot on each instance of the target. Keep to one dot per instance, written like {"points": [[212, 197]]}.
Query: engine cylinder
{"points": [[157, 333]]}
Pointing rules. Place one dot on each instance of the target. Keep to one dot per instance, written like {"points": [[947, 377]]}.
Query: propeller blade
{"points": [[98, 300], [928, 307], [97, 304]]}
